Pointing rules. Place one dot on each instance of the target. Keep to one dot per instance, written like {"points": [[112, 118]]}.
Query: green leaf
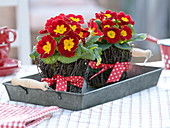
{"points": [[124, 46], [98, 23], [116, 26], [34, 53], [93, 46], [104, 46], [66, 60], [83, 48], [78, 52], [89, 52], [50, 60], [88, 55], [138, 37], [91, 40], [39, 38], [58, 38], [98, 52]]}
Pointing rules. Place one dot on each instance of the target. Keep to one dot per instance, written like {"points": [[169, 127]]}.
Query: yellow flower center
{"points": [[108, 15], [68, 44], [74, 27], [111, 34], [81, 34], [91, 30], [47, 47], [125, 19], [75, 19], [60, 29], [123, 33], [93, 33], [107, 26]]}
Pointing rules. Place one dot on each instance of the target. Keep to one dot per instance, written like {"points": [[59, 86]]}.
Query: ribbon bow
{"points": [[117, 69], [61, 82]]}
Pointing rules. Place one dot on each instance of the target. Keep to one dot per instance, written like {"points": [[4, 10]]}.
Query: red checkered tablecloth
{"points": [[17, 116], [146, 109]]}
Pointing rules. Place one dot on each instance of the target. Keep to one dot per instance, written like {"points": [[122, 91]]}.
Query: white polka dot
{"points": [[167, 65], [162, 55], [166, 56], [164, 60], [168, 61]]}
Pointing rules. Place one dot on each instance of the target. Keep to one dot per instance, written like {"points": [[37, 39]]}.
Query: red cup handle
{"points": [[14, 36], [152, 38]]}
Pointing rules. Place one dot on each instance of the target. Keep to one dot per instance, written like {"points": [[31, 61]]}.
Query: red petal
{"points": [[43, 31]]}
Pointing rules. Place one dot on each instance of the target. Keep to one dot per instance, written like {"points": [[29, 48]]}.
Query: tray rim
{"points": [[83, 98]]}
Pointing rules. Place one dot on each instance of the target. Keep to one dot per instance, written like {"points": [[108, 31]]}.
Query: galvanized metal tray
{"points": [[139, 78]]}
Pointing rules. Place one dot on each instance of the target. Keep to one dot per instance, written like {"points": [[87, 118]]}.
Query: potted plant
{"points": [[63, 50], [116, 31]]}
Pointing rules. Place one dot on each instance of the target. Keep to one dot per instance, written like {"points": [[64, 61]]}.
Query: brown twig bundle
{"points": [[109, 56], [77, 68]]}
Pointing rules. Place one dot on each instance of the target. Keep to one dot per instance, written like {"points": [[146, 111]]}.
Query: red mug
{"points": [[165, 49], [5, 35], [4, 52]]}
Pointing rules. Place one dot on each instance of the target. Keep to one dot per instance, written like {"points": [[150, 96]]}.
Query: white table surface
{"points": [[146, 109]]}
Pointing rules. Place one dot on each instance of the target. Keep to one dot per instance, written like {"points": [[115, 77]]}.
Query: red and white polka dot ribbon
{"points": [[117, 69], [61, 82]]}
